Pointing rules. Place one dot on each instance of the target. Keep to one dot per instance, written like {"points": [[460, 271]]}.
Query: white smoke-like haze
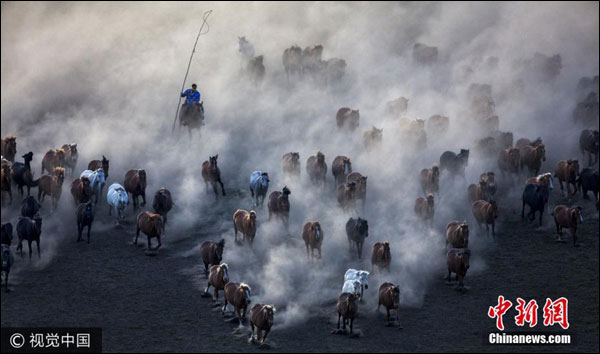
{"points": [[106, 76]]}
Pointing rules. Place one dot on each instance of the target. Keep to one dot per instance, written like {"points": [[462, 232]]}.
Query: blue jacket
{"points": [[191, 97]]}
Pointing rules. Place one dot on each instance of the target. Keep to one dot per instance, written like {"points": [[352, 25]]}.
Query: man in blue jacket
{"points": [[192, 103]]}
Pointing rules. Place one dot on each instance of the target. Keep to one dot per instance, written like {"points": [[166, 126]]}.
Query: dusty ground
{"points": [[149, 303]]}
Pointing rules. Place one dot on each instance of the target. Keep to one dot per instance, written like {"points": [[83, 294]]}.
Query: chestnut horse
{"points": [[245, 222], [430, 179], [567, 171], [457, 234], [261, 317], [341, 167], [9, 148], [486, 213], [312, 234], [532, 157], [238, 295], [279, 204], [347, 307], [212, 253], [135, 183], [425, 208], [316, 168], [81, 190], [218, 278], [381, 256], [53, 159], [71, 156], [211, 173], [150, 224], [389, 296], [52, 186], [565, 217]]}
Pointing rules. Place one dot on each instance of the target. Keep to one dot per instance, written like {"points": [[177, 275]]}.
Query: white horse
{"points": [[259, 185], [97, 181], [362, 276], [353, 287], [117, 198]]}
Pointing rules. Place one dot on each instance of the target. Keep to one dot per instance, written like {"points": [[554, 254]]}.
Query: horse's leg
{"points": [[159, 243], [207, 287], [149, 244], [89, 231], [222, 186], [339, 316], [37, 242], [137, 234], [79, 230], [29, 243], [214, 185], [144, 198], [20, 247]]}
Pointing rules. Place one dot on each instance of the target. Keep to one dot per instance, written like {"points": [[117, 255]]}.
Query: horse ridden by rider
{"points": [[192, 110]]}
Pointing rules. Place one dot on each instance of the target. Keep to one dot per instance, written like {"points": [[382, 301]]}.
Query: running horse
{"points": [[192, 116]]}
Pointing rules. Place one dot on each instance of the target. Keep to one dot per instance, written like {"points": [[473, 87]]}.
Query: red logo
{"points": [[499, 310], [556, 312], [527, 313]]}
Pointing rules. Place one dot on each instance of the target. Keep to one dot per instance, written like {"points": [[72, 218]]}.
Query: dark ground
{"points": [[147, 304]]}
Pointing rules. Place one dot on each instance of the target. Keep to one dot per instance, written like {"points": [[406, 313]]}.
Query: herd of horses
{"points": [[519, 163]]}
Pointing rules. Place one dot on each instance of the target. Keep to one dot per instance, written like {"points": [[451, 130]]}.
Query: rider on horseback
{"points": [[192, 102]]}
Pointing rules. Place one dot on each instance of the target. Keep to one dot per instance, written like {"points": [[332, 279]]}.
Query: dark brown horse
{"points": [[389, 296], [85, 217], [430, 179], [532, 157], [21, 174], [290, 163], [81, 190], [52, 159], [589, 142], [279, 204], [71, 156], [211, 173], [425, 208], [5, 181], [509, 161], [212, 253], [261, 317], [567, 171], [361, 186], [346, 195], [341, 167], [162, 204], [312, 234], [135, 183], [238, 295], [485, 212], [9, 148], [151, 225], [356, 231], [347, 307], [29, 229], [381, 256], [316, 168], [457, 261], [347, 118], [52, 186]]}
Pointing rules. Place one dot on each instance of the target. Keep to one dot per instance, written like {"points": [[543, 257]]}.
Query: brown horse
{"points": [[381, 256], [71, 156], [532, 157], [245, 222], [279, 204], [96, 164], [425, 208], [567, 171], [389, 296], [53, 159], [151, 225], [478, 191], [361, 186], [341, 167], [438, 124], [81, 190], [9, 148], [346, 194], [457, 261], [238, 295], [347, 307], [261, 317], [509, 161], [21, 174], [52, 186], [504, 140], [316, 168], [543, 180], [486, 213], [565, 217], [212, 253], [397, 107], [347, 118], [5, 181], [290, 163], [312, 234], [524, 142], [489, 178], [162, 204], [430, 179], [486, 147], [372, 138], [457, 234], [211, 173], [218, 278], [135, 183]]}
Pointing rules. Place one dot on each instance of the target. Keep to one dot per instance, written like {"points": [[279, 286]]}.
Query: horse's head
{"points": [[224, 272], [463, 229], [105, 165], [295, 156], [264, 179], [38, 222], [269, 311], [316, 228], [320, 157], [10, 144], [100, 176], [435, 170], [245, 288], [286, 191], [386, 249], [573, 168], [142, 175], [85, 181], [576, 215], [377, 133], [213, 163], [220, 247], [60, 155], [464, 155], [88, 209], [28, 157], [363, 227], [430, 200], [364, 278], [59, 172], [73, 148]]}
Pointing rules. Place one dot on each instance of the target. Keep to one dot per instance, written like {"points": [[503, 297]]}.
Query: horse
{"points": [[71, 156], [397, 107], [135, 183], [565, 217], [312, 234], [212, 253], [389, 296], [361, 276], [457, 234], [29, 229], [545, 179], [211, 173], [536, 196], [567, 171], [5, 181], [6, 234], [151, 225], [356, 231], [290, 163], [526, 142], [255, 69], [489, 178], [486, 212], [117, 198], [425, 208], [261, 317], [81, 190], [532, 157], [346, 195], [589, 142], [454, 163], [316, 168], [21, 174], [381, 256], [96, 164], [372, 138], [292, 61], [504, 140], [430, 179], [259, 185], [245, 222], [279, 204], [238, 295], [218, 277], [52, 159], [361, 186], [162, 204], [52, 186], [347, 307], [352, 287], [509, 161], [7, 262], [192, 116], [486, 147], [478, 191], [438, 124], [457, 261], [347, 118], [588, 181], [341, 167], [30, 207], [97, 181], [245, 48], [9, 148], [85, 217]]}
